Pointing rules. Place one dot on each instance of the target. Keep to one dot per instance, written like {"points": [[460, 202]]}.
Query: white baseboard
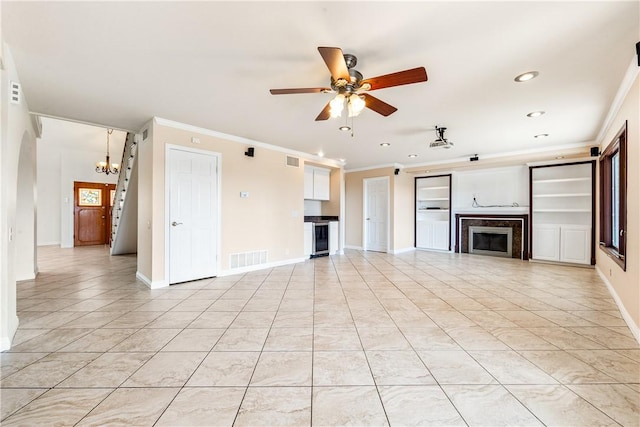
{"points": [[357, 248], [30, 276], [152, 285], [401, 251], [261, 266], [5, 341], [635, 329], [49, 243]]}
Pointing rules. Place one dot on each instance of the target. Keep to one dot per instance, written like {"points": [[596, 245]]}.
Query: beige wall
{"points": [[271, 218], [401, 217], [626, 284], [404, 216], [332, 207], [144, 162], [354, 185]]}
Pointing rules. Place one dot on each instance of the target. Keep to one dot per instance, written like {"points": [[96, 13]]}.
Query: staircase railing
{"points": [[126, 169]]}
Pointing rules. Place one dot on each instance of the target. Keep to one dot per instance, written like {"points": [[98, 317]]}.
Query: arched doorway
{"points": [[25, 232]]}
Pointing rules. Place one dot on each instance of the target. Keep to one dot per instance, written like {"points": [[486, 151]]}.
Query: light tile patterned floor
{"points": [[360, 339]]}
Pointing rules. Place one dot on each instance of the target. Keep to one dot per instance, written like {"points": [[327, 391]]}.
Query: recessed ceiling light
{"points": [[535, 114], [541, 135], [384, 144], [559, 157], [413, 155], [525, 77], [320, 154], [344, 128], [427, 171]]}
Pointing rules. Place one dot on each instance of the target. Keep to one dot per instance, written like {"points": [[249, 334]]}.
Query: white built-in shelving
{"points": [[433, 215], [562, 212]]}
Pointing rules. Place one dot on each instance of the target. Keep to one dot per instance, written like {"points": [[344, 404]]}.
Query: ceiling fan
{"points": [[351, 87]]}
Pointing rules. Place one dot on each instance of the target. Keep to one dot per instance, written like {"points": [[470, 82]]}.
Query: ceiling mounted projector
{"points": [[441, 141]]}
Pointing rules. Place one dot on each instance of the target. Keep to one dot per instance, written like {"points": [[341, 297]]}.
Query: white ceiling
{"points": [[211, 64], [82, 137]]}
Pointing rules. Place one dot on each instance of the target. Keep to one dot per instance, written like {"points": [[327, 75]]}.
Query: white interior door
{"points": [[376, 213], [193, 199]]}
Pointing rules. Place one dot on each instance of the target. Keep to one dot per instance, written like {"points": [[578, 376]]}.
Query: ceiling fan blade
{"points": [[406, 77], [300, 90], [325, 113], [334, 58], [378, 106]]}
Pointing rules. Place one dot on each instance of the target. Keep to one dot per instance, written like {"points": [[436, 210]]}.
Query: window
{"points": [[613, 198]]}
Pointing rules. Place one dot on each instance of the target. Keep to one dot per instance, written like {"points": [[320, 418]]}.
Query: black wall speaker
{"points": [[249, 152], [396, 172], [638, 52], [595, 151]]}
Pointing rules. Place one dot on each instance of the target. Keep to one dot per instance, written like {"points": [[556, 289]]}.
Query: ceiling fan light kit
{"points": [[350, 86]]}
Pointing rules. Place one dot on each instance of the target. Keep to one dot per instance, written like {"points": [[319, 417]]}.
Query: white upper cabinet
{"points": [[316, 183], [308, 182]]}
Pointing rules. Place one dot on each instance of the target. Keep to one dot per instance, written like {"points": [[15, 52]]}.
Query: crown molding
{"points": [[246, 141], [625, 86]]}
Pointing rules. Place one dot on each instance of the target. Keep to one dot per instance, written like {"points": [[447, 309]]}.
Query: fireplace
{"points": [[495, 241], [519, 235]]}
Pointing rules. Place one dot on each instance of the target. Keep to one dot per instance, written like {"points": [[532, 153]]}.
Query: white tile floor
{"points": [[360, 339]]}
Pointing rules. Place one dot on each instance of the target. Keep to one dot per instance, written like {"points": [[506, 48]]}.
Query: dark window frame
{"points": [[617, 146]]}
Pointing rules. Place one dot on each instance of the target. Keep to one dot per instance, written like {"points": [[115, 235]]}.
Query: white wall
{"points": [[48, 184], [312, 208], [16, 135], [68, 152], [497, 186]]}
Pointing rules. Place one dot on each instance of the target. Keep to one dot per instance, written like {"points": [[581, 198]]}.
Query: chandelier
{"points": [[106, 167]]}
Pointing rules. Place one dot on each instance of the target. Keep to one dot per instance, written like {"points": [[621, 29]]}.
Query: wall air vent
{"points": [[293, 161], [145, 134], [247, 259], [14, 91]]}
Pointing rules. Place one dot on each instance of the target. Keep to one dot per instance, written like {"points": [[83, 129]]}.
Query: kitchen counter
{"points": [[320, 218]]}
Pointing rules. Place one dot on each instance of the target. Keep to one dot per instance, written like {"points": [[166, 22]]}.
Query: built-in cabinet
{"points": [[334, 244], [433, 212], [562, 212], [316, 183], [308, 239]]}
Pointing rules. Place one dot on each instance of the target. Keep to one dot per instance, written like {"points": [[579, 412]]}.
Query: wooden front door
{"points": [[92, 213]]}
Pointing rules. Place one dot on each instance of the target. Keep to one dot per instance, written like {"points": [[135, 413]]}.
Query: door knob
{"points": [[176, 223], [368, 219]]}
